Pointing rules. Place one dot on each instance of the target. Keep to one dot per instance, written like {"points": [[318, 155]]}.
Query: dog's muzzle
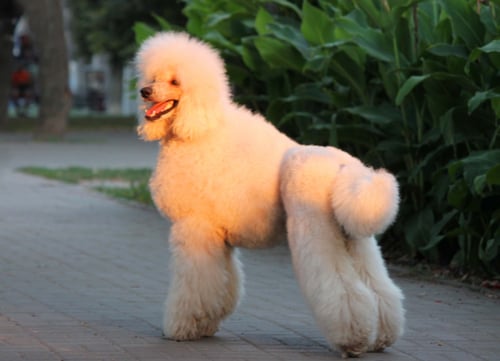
{"points": [[157, 109], [146, 92]]}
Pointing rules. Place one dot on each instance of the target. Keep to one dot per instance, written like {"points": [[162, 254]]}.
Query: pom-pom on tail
{"points": [[365, 201]]}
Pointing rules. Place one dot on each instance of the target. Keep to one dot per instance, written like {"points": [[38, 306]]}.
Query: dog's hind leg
{"points": [[370, 266], [344, 307], [365, 202], [206, 281]]}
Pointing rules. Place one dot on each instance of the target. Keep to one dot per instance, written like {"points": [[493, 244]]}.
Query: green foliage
{"points": [[82, 174], [127, 183], [410, 85], [136, 192], [105, 25]]}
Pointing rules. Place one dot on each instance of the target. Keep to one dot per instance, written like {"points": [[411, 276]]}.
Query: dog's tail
{"points": [[365, 201]]}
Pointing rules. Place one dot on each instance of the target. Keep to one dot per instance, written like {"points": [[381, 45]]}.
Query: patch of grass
{"points": [[136, 191], [131, 183]]}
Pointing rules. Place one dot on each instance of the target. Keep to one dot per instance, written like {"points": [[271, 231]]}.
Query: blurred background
{"points": [[94, 40]]}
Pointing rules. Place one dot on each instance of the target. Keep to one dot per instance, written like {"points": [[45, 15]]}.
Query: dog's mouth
{"points": [[158, 109]]}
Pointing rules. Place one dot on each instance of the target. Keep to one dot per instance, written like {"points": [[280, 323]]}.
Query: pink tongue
{"points": [[157, 108]]}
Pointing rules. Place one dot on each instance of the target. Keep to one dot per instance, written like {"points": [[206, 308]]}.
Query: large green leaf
{"points": [[489, 17], [437, 229], [481, 96], [278, 54], [318, 60], [219, 41], [408, 86], [382, 115], [465, 21], [495, 105], [478, 164], [378, 45], [142, 32], [262, 20], [446, 126], [491, 250], [316, 25], [490, 48], [479, 183], [373, 41], [375, 11], [493, 176], [445, 50], [310, 91], [250, 55], [164, 24], [290, 34], [288, 5], [417, 230], [458, 193], [347, 72], [428, 20], [359, 134], [214, 19]]}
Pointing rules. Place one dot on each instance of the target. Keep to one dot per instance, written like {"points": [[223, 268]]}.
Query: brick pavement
{"points": [[83, 277]]}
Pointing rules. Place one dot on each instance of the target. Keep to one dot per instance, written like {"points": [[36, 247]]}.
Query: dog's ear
{"points": [[206, 96]]}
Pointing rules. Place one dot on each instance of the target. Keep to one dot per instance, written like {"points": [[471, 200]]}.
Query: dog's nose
{"points": [[146, 92]]}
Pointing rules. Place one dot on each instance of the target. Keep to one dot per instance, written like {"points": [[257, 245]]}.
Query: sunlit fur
{"points": [[227, 178]]}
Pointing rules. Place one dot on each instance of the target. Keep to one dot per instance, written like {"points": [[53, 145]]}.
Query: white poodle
{"points": [[227, 178]]}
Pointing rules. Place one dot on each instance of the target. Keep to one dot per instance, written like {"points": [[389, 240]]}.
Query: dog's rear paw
{"points": [[352, 350], [381, 344], [353, 325], [391, 318], [389, 331]]}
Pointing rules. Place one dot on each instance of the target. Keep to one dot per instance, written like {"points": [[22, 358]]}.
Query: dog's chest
{"points": [[192, 178], [218, 185]]}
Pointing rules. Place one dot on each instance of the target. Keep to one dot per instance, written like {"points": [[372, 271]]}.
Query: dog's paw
{"points": [[391, 320], [191, 329], [387, 335], [353, 316], [352, 350], [382, 342], [389, 330]]}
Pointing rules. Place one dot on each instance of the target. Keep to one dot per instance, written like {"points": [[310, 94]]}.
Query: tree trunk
{"points": [[9, 11], [45, 18]]}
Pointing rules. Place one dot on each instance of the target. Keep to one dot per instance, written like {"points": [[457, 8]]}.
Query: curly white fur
{"points": [[226, 178]]}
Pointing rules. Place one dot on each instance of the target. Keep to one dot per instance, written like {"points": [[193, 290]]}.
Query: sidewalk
{"points": [[83, 277]]}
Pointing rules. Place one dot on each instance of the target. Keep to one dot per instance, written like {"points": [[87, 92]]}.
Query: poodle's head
{"points": [[183, 85]]}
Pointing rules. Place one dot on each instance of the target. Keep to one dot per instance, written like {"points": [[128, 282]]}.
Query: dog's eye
{"points": [[174, 82]]}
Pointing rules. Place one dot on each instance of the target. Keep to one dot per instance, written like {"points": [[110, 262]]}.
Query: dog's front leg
{"points": [[205, 282]]}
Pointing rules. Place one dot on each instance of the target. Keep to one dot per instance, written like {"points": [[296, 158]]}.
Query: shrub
{"points": [[411, 85]]}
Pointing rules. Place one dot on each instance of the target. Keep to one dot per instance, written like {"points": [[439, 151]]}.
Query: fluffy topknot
{"points": [[195, 63]]}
